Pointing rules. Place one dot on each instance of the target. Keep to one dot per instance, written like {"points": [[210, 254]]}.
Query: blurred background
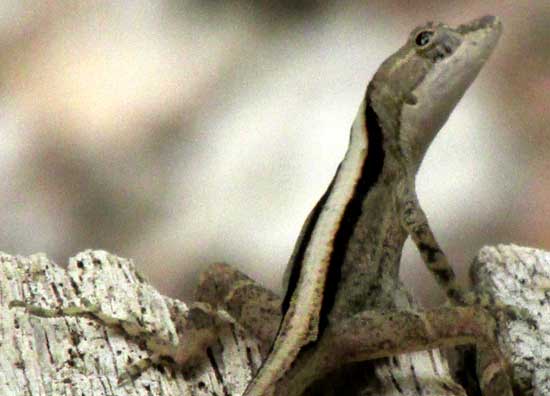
{"points": [[182, 133]]}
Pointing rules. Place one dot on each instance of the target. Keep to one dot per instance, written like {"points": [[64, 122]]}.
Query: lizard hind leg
{"points": [[381, 334]]}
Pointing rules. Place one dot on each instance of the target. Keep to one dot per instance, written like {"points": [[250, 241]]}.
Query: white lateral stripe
{"points": [[315, 264]]}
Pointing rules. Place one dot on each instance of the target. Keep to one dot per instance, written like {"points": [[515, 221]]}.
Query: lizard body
{"points": [[363, 219]]}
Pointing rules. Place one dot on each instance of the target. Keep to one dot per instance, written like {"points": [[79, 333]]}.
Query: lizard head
{"points": [[415, 90]]}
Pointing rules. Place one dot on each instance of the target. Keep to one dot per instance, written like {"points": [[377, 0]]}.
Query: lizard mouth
{"points": [[485, 22], [485, 30], [480, 37]]}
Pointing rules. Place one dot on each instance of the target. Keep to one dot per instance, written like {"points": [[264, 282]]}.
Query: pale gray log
{"points": [[76, 353], [520, 277]]}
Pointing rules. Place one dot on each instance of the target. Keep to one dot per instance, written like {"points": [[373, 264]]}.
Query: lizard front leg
{"points": [[416, 224], [491, 364]]}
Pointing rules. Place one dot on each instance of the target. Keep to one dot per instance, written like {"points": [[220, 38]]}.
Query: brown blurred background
{"points": [[180, 133]]}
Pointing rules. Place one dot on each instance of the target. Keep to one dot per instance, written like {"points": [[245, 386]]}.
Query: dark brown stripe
{"points": [[370, 173], [299, 257], [429, 251], [445, 275]]}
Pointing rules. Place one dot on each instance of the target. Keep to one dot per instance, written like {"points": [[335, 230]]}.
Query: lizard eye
{"points": [[423, 38]]}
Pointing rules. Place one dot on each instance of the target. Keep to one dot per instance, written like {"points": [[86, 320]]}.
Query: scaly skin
{"points": [[355, 234]]}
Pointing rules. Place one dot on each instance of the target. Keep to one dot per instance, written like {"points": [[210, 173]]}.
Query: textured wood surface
{"points": [[112, 320], [83, 330]]}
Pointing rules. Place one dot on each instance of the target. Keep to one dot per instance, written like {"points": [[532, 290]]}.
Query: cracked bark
{"points": [[91, 329]]}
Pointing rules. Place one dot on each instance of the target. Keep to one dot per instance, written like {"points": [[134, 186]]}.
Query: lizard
{"points": [[361, 222], [354, 235]]}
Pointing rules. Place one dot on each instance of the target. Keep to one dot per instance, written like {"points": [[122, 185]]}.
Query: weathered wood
{"points": [[85, 329], [520, 277]]}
